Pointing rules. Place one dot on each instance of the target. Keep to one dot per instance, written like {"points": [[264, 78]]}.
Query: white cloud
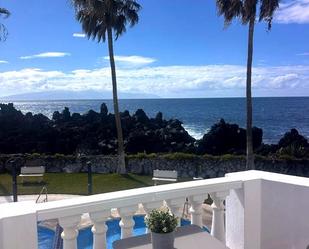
{"points": [[296, 11], [45, 55], [167, 81], [3, 62], [284, 81], [79, 35], [133, 60]]}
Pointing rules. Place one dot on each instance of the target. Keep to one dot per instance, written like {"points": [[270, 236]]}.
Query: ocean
{"points": [[274, 115]]}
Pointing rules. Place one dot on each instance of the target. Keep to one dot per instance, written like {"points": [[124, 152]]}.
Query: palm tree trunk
{"points": [[121, 155], [250, 156]]}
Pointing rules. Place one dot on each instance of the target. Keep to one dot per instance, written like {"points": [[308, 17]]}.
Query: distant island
{"points": [[75, 95]]}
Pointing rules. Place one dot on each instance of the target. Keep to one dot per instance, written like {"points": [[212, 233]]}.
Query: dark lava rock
{"points": [[293, 138], [90, 133], [224, 138], [104, 109], [95, 133]]}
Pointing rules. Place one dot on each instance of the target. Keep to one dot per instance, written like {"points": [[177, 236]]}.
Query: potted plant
{"points": [[162, 225]]}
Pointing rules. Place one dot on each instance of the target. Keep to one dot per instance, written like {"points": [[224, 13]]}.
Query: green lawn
{"points": [[76, 183]]}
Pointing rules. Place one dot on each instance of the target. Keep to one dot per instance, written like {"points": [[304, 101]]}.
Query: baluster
{"points": [[150, 206], [176, 205], [218, 218], [70, 231], [196, 209], [99, 228], [127, 223]]}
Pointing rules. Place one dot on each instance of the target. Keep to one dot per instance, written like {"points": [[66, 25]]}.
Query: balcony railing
{"points": [[263, 211], [69, 212]]}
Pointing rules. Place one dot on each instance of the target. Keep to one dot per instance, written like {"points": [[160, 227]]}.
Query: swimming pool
{"points": [[85, 239]]}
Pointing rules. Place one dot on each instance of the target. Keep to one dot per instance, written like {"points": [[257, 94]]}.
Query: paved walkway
{"points": [[51, 197]]}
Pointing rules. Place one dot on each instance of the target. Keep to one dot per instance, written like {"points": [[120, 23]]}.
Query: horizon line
{"points": [[162, 98]]}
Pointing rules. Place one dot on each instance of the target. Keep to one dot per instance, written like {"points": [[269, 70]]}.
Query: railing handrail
{"points": [[44, 189], [125, 198]]}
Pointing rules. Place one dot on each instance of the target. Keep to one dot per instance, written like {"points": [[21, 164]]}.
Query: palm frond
{"points": [[267, 10], [4, 12], [246, 10], [229, 9], [120, 26], [3, 30], [249, 10], [130, 10], [96, 16]]}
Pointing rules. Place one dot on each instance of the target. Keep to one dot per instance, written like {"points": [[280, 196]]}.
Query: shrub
{"points": [[33, 155], [294, 150], [161, 221], [179, 156], [293, 138], [267, 149], [228, 157], [142, 156]]}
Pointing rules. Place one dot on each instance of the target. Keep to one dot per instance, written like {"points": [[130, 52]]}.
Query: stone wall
{"points": [[216, 167], [204, 166]]}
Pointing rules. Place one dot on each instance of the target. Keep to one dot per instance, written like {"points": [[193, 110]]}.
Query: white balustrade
{"points": [[127, 223], [176, 205], [150, 206], [18, 221], [218, 217], [98, 207], [196, 209], [70, 231], [99, 228]]}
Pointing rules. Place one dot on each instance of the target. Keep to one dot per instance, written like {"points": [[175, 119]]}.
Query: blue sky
{"points": [[178, 49]]}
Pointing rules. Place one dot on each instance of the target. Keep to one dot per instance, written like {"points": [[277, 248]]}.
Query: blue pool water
{"points": [[85, 239]]}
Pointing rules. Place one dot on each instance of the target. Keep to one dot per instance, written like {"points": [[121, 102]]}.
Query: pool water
{"points": [[85, 239]]}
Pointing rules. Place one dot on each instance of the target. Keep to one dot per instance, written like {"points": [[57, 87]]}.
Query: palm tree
{"points": [[3, 31], [246, 11], [103, 19]]}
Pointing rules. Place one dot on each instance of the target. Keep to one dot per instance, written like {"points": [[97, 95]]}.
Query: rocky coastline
{"points": [[94, 133]]}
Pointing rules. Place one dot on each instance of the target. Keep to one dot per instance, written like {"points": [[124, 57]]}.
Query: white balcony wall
{"points": [[18, 221], [263, 211], [270, 212], [285, 215], [235, 219], [18, 226]]}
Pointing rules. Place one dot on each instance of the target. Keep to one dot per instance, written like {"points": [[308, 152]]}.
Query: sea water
{"points": [[274, 115]]}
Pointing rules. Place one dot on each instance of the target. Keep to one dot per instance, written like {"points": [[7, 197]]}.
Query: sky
{"points": [[179, 49]]}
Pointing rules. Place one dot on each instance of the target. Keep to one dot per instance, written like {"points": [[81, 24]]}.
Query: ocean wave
{"points": [[196, 132]]}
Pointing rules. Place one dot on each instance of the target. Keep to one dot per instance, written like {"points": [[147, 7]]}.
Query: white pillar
{"points": [[218, 215], [176, 205], [127, 223], [234, 218], [196, 209], [99, 228], [150, 206], [70, 231], [18, 225]]}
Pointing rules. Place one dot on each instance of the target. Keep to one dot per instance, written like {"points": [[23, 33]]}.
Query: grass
{"points": [[76, 183]]}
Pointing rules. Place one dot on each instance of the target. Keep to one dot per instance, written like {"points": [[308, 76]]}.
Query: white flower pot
{"points": [[162, 240]]}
